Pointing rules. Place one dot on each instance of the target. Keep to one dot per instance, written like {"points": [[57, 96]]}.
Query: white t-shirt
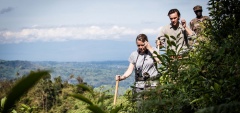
{"points": [[144, 62]]}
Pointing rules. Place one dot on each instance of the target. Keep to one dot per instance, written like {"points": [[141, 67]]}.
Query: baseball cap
{"points": [[197, 7]]}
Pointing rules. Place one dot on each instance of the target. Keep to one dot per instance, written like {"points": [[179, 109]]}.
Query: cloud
{"points": [[148, 22], [5, 10], [71, 33], [151, 31]]}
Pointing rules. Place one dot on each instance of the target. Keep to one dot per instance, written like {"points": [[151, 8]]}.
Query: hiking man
{"points": [[176, 28]]}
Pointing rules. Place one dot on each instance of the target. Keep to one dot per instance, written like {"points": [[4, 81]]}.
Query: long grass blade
{"points": [[22, 87], [86, 88], [116, 110], [95, 109], [82, 98]]}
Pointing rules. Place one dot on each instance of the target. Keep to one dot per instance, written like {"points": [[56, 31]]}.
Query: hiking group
{"points": [[143, 60]]}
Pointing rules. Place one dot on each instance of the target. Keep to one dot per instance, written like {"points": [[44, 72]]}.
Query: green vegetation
{"points": [[205, 80], [36, 92]]}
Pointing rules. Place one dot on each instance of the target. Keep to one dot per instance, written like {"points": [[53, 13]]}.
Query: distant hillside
{"points": [[94, 73], [12, 69]]}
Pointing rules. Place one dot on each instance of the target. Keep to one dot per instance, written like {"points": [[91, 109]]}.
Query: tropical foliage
{"points": [[204, 79]]}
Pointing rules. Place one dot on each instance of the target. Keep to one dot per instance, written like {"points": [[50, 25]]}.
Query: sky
{"points": [[83, 30]]}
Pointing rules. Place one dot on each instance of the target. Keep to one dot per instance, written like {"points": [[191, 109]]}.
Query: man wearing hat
{"points": [[197, 23]]}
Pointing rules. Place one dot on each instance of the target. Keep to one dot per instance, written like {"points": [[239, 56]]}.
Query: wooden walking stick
{"points": [[116, 92]]}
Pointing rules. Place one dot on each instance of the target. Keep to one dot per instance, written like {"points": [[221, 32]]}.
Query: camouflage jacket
{"points": [[195, 24]]}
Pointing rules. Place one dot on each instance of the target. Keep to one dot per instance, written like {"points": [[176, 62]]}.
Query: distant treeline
{"points": [[94, 73]]}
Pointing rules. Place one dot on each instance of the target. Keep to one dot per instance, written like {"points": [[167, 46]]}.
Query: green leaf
{"points": [[3, 100], [178, 35], [13, 111], [82, 98], [174, 38], [192, 82], [169, 43], [166, 36], [95, 109], [216, 87], [22, 87], [196, 100], [178, 40], [84, 87], [173, 43], [171, 52], [116, 110], [25, 106], [166, 57]]}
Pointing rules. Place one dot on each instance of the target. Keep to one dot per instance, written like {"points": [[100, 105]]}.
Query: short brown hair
{"points": [[173, 11], [142, 37]]}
